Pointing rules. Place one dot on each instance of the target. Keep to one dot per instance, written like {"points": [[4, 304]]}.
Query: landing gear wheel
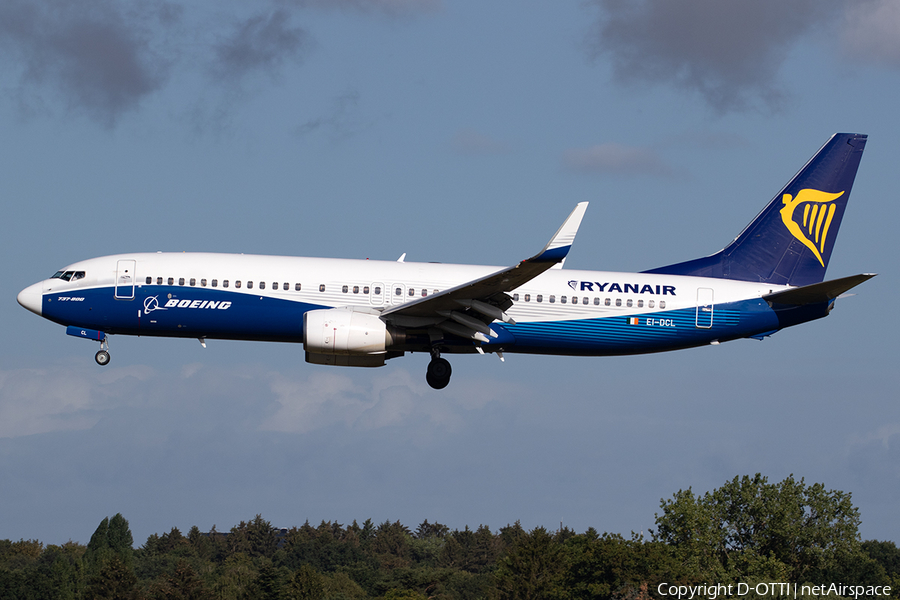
{"points": [[102, 358], [438, 373]]}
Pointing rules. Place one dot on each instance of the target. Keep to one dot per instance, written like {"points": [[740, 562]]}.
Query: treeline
{"points": [[746, 531]]}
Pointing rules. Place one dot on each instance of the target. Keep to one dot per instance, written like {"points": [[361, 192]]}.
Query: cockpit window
{"points": [[68, 275]]}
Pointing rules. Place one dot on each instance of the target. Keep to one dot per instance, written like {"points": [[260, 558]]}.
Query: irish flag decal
{"points": [[633, 320]]}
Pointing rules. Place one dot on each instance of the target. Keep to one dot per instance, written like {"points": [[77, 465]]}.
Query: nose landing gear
{"points": [[102, 356], [439, 371]]}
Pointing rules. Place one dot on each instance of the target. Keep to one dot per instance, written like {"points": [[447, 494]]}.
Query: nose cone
{"points": [[32, 297]]}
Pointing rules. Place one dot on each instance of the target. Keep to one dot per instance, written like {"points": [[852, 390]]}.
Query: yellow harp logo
{"points": [[818, 210]]}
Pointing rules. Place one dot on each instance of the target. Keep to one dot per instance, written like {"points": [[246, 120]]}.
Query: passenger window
{"points": [[650, 304], [224, 283], [606, 302], [365, 289], [237, 283], [527, 297], [322, 287], [377, 291], [540, 297], [181, 281], [398, 292], [561, 299], [149, 280], [345, 289], [202, 283], [552, 298], [274, 285], [262, 285], [193, 282], [159, 281], [515, 297], [215, 283], [249, 285], [171, 281], [640, 304], [412, 292], [662, 303], [424, 292], [618, 302], [628, 303], [355, 289], [597, 301]]}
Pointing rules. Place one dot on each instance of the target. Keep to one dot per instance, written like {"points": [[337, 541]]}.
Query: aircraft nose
{"points": [[32, 297]]}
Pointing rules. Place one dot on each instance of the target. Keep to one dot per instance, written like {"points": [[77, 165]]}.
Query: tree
{"points": [[112, 581], [751, 528], [62, 566], [531, 570], [182, 583], [120, 540], [256, 538], [428, 530], [305, 584], [886, 553], [109, 560], [610, 566]]}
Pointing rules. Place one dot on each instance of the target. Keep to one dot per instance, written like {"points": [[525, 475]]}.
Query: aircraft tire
{"points": [[438, 373], [102, 358]]}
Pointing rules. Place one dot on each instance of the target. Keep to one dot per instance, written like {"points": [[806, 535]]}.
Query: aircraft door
{"points": [[704, 308], [125, 280]]}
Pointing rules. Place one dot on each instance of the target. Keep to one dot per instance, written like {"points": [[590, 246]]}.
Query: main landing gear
{"points": [[438, 373]]}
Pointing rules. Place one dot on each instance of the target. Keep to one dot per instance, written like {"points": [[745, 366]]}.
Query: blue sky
{"points": [[454, 132]]}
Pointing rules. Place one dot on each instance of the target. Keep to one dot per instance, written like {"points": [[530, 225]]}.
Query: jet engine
{"points": [[345, 337]]}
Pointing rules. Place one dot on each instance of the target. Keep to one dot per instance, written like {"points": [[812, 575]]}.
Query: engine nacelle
{"points": [[345, 332]]}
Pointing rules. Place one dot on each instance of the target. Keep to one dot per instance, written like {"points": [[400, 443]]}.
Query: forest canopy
{"points": [[747, 531]]}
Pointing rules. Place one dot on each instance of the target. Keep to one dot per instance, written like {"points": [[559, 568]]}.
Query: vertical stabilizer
{"points": [[790, 241]]}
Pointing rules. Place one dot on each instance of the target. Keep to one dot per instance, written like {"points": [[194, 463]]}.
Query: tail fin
{"points": [[790, 241]]}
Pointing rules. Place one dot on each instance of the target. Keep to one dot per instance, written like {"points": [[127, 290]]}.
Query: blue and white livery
{"points": [[360, 313]]}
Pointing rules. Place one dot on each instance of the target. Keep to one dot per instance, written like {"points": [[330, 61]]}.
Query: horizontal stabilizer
{"points": [[817, 292]]}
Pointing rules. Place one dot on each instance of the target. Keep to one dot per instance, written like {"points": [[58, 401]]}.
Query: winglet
{"points": [[558, 246]]}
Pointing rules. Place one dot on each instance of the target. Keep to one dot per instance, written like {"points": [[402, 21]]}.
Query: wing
{"points": [[467, 309]]}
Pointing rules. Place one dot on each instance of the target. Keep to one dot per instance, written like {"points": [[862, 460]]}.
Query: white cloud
{"points": [[326, 398], [36, 401]]}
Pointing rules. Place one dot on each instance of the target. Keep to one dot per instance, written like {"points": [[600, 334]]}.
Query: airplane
{"points": [[361, 313]]}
